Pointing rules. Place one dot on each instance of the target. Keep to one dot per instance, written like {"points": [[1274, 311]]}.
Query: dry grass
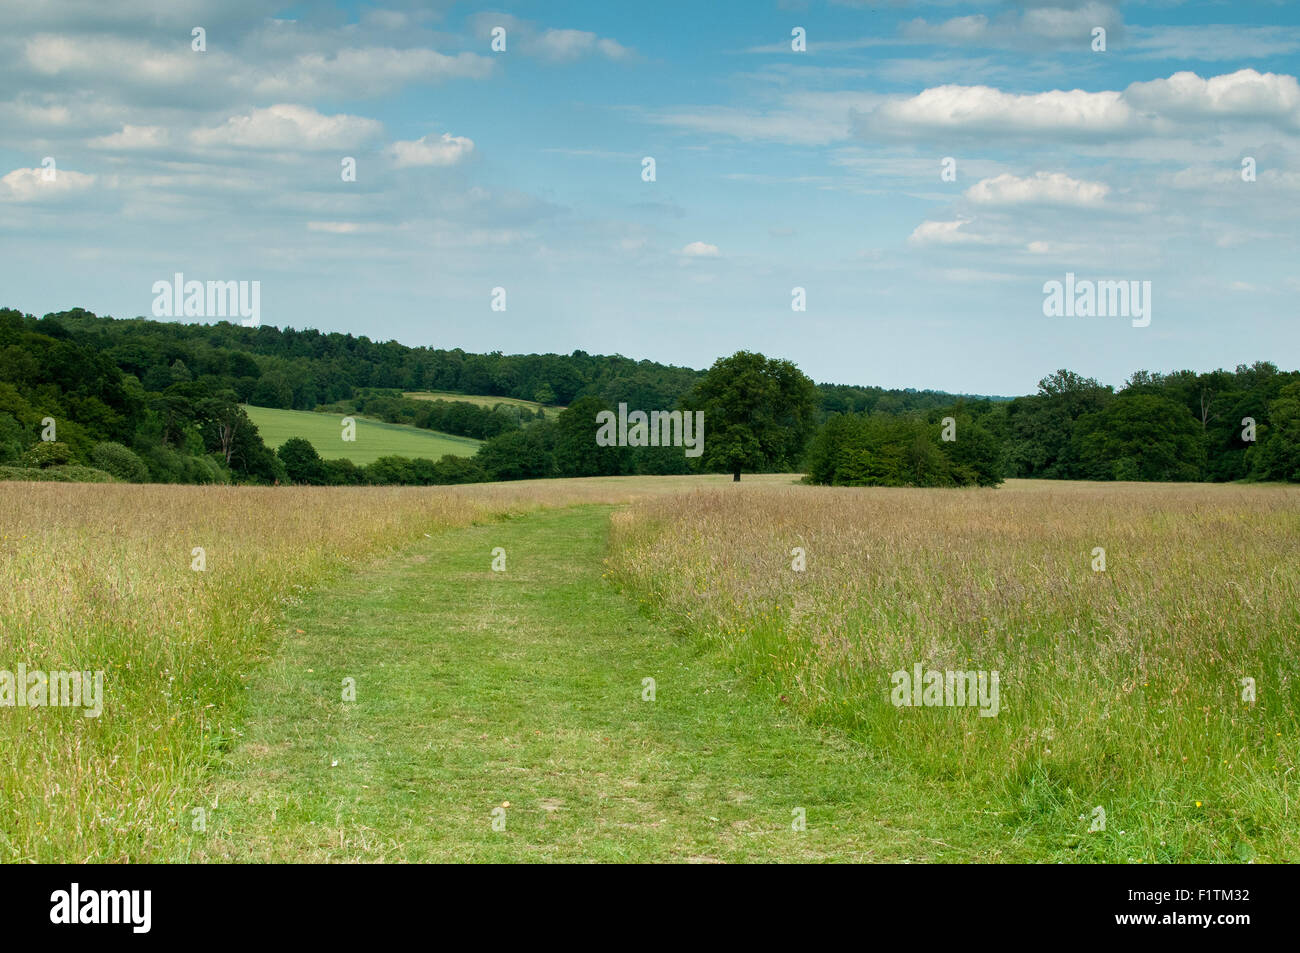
{"points": [[1119, 689], [99, 578]]}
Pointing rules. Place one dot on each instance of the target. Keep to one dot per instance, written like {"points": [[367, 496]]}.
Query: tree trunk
{"points": [[735, 475]]}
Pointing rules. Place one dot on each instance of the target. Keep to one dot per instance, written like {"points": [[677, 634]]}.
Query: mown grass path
{"points": [[477, 689]]}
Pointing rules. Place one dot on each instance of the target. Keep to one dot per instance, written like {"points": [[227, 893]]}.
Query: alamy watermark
{"points": [[659, 428], [179, 298], [1098, 299], [129, 907], [935, 688], [55, 689]]}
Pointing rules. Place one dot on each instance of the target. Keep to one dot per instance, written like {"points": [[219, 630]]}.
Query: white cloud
{"points": [[944, 233], [1244, 94], [289, 127], [1047, 188], [132, 137], [31, 185], [430, 150], [566, 45], [1183, 104], [986, 109], [612, 48], [52, 55], [700, 250]]}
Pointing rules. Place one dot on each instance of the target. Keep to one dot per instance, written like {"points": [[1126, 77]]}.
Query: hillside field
{"points": [[484, 400], [375, 438]]}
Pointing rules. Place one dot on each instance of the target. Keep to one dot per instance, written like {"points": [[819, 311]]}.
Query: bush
{"points": [[343, 473], [57, 474], [391, 471], [168, 466], [454, 469], [48, 453], [120, 461]]}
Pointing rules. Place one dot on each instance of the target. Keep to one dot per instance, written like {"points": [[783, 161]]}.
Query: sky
{"points": [[1171, 156]]}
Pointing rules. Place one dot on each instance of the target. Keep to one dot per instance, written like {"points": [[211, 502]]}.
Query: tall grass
{"points": [[100, 578], [1119, 689]]}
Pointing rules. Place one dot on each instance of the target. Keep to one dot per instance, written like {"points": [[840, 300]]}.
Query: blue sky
{"points": [[775, 169]]}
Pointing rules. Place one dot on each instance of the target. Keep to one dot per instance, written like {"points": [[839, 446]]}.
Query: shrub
{"points": [[454, 469], [343, 472], [120, 461], [48, 453], [57, 474]]}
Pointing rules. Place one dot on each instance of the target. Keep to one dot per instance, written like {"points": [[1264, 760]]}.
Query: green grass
{"points": [[484, 400], [478, 689], [375, 438]]}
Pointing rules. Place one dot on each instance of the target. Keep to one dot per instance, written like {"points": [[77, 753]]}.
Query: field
{"points": [[484, 400], [375, 438], [224, 735], [1120, 689]]}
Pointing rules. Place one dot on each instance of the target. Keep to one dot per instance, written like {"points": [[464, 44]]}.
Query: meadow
{"points": [[1120, 690], [100, 577], [375, 438]]}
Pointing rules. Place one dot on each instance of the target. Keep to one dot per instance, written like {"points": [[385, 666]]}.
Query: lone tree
{"points": [[758, 413]]}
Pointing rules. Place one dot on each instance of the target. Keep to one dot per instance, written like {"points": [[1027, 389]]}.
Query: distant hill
{"points": [[298, 370]]}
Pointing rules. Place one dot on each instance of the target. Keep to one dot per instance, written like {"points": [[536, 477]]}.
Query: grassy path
{"points": [[477, 688]]}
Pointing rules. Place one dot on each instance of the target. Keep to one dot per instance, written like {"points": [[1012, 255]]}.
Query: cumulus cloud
{"points": [[1245, 94], [1182, 104], [33, 185], [287, 126], [430, 150], [1046, 188], [986, 109]]}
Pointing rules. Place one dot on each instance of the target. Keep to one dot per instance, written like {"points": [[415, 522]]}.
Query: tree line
{"points": [[149, 401]]}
